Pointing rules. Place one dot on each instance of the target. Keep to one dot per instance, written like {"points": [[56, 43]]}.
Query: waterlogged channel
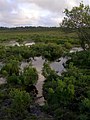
{"points": [[38, 62], [57, 65]]}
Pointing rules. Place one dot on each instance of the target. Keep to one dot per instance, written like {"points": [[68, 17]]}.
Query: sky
{"points": [[15, 13]]}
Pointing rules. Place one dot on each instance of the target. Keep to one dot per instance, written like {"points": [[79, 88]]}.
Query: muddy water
{"points": [[14, 43], [38, 64], [40, 99], [58, 65]]}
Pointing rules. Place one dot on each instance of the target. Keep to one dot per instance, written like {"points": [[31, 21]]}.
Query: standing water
{"points": [[58, 65], [38, 64], [14, 43]]}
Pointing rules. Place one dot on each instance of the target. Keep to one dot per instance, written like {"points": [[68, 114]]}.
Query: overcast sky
{"points": [[34, 12]]}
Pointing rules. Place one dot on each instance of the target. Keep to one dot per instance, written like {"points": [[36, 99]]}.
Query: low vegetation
{"points": [[67, 96]]}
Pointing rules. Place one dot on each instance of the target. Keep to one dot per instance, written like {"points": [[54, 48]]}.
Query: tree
{"points": [[79, 18]]}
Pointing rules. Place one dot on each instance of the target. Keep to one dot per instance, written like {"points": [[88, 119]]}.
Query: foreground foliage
{"points": [[68, 95], [79, 18]]}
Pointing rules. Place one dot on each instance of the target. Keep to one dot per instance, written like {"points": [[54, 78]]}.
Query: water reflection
{"points": [[58, 65], [38, 62]]}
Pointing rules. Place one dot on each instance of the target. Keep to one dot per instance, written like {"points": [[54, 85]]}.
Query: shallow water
{"points": [[39, 85], [76, 49], [38, 62], [14, 43], [58, 65]]}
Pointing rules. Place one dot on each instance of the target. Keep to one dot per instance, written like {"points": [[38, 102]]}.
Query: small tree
{"points": [[79, 18]]}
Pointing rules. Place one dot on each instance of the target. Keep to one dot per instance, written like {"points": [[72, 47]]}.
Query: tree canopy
{"points": [[79, 18]]}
